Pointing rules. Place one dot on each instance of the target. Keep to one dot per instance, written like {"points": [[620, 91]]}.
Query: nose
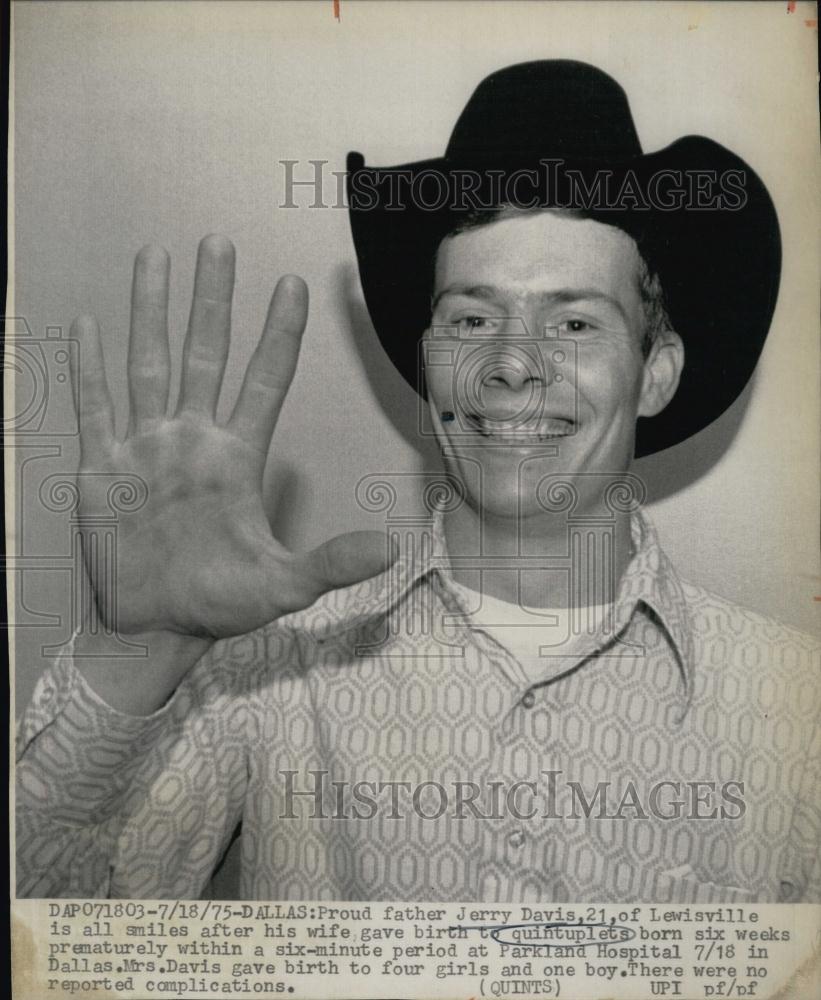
{"points": [[504, 382], [513, 368]]}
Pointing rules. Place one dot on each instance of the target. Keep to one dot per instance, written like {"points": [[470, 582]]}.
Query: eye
{"points": [[577, 326], [474, 322]]}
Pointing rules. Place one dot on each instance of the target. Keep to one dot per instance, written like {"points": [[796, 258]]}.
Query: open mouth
{"points": [[522, 432]]}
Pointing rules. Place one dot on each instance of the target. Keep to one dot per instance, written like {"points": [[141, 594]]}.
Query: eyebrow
{"points": [[561, 296]]}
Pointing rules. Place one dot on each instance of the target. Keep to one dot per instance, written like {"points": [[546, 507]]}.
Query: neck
{"points": [[541, 562]]}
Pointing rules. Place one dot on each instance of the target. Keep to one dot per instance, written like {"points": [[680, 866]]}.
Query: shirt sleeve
{"points": [[801, 881], [114, 805]]}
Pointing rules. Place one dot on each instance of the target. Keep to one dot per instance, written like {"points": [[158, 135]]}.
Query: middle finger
{"points": [[209, 327]]}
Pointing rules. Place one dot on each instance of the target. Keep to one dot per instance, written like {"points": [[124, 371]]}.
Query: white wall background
{"points": [[162, 122]]}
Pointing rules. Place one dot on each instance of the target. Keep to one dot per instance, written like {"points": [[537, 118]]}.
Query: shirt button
{"points": [[529, 699], [516, 839]]}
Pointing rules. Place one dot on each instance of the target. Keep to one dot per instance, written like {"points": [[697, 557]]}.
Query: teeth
{"points": [[516, 434], [522, 432], [523, 438]]}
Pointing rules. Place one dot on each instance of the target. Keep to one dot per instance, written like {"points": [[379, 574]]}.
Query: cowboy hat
{"points": [[559, 134]]}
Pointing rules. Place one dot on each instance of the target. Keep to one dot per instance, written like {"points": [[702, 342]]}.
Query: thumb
{"points": [[347, 559]]}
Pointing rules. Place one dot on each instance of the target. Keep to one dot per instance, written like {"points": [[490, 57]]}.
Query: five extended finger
{"points": [[272, 365], [209, 327], [92, 400], [149, 363]]}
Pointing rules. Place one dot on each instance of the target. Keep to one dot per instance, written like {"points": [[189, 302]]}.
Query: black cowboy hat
{"points": [[563, 131]]}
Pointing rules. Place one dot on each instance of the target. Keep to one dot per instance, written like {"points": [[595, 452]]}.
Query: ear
{"points": [[662, 371]]}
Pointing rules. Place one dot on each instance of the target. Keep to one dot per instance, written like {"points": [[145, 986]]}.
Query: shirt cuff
{"points": [[62, 688]]}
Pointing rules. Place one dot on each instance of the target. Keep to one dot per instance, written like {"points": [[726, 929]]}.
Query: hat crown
{"points": [[564, 109]]}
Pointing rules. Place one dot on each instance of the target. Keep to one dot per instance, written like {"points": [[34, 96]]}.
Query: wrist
{"points": [[136, 676]]}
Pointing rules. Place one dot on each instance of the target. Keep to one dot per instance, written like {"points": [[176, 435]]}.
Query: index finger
{"points": [[272, 365]]}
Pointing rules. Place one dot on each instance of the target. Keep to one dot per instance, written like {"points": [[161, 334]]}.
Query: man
{"points": [[520, 702]]}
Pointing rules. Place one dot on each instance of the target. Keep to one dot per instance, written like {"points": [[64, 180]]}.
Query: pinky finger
{"points": [[92, 400]]}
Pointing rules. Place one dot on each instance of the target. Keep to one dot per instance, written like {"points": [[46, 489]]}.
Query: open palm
{"points": [[197, 557]]}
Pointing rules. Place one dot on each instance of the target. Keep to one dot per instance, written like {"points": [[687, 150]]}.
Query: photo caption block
{"points": [[143, 949]]}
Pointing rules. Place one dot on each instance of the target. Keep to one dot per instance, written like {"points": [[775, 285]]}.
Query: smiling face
{"points": [[534, 361]]}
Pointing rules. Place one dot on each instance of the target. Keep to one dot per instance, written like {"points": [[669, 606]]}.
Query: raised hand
{"points": [[198, 557]]}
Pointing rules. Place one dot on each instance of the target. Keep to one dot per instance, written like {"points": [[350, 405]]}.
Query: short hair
{"points": [[654, 307]]}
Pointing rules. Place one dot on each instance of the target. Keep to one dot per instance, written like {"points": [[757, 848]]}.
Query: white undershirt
{"points": [[525, 630]]}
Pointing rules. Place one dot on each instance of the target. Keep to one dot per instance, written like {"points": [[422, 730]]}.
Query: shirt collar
{"points": [[650, 580]]}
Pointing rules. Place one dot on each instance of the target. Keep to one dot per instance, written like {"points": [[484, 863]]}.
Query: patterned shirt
{"points": [[377, 747]]}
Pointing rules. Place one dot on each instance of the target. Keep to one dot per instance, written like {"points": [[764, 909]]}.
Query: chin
{"points": [[506, 500], [498, 505]]}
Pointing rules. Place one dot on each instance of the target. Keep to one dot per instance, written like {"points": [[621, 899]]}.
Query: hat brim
{"points": [[719, 268]]}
